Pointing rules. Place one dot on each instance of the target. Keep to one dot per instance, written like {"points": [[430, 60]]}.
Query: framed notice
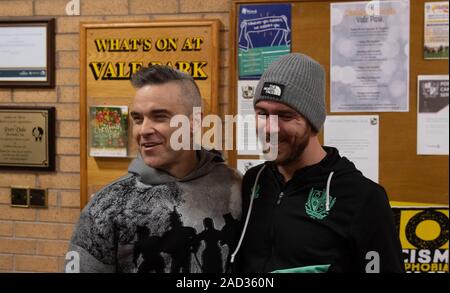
{"points": [[27, 138], [27, 50]]}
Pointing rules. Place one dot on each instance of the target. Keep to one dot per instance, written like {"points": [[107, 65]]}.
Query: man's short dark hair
{"points": [[161, 74]]}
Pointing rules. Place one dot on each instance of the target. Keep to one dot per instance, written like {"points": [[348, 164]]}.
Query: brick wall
{"points": [[35, 240]]}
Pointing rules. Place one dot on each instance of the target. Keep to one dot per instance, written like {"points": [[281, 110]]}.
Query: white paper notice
{"points": [[23, 53], [432, 115], [356, 137], [23, 47], [243, 165], [247, 143], [370, 56]]}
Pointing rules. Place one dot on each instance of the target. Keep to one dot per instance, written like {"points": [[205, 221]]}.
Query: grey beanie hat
{"points": [[297, 81]]}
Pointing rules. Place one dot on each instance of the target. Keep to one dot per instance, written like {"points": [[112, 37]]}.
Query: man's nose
{"points": [[147, 127], [271, 124]]}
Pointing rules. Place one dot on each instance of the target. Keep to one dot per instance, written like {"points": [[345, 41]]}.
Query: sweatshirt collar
{"points": [[148, 175], [329, 158]]}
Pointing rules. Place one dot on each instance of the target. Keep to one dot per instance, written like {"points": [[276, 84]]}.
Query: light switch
{"points": [[19, 196], [38, 198]]}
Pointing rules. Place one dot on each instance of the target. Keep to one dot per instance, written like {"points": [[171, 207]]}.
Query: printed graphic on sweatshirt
{"points": [[316, 204], [182, 245], [158, 229]]}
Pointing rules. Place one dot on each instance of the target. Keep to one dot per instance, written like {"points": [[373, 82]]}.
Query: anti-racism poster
{"points": [[264, 33], [424, 237]]}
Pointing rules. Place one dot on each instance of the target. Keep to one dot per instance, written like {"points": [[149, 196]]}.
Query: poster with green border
{"points": [[264, 36]]}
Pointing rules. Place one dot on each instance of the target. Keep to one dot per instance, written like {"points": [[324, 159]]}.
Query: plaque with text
{"points": [[27, 138]]}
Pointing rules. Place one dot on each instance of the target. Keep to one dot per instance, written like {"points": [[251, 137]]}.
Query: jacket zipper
{"points": [[280, 197], [272, 232], [272, 227]]}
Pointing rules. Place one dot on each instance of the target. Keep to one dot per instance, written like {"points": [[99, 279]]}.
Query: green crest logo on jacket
{"points": [[316, 204]]}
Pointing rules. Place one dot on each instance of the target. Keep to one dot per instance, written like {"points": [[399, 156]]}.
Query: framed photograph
{"points": [[27, 138], [27, 53]]}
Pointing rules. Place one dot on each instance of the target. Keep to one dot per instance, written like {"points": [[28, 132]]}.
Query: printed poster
{"points": [[264, 34], [108, 131], [357, 138], [436, 30], [432, 115], [247, 140], [423, 232], [370, 56]]}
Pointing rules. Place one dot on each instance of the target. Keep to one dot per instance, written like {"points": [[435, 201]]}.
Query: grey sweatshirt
{"points": [[149, 221]]}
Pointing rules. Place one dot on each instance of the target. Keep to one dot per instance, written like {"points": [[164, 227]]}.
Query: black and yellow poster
{"points": [[424, 237]]}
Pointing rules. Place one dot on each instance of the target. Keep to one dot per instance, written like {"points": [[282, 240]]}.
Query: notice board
{"points": [[111, 52], [406, 176]]}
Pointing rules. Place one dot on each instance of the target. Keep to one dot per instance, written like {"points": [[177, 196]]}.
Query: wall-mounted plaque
{"points": [[27, 53], [27, 138]]}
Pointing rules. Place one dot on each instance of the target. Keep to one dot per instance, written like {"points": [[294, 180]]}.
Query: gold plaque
{"points": [[27, 138]]}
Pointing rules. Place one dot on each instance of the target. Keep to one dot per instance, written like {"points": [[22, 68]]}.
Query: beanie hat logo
{"points": [[272, 90]]}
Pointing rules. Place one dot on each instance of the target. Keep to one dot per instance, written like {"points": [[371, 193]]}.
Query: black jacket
{"points": [[290, 229]]}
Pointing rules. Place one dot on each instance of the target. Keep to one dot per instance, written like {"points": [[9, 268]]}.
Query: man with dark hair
{"points": [[310, 210], [157, 75], [162, 184]]}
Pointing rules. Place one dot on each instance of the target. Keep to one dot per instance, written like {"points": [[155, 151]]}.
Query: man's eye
{"points": [[137, 120], [286, 118], [161, 117]]}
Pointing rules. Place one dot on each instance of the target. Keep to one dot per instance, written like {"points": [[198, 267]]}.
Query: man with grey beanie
{"points": [[309, 210]]}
